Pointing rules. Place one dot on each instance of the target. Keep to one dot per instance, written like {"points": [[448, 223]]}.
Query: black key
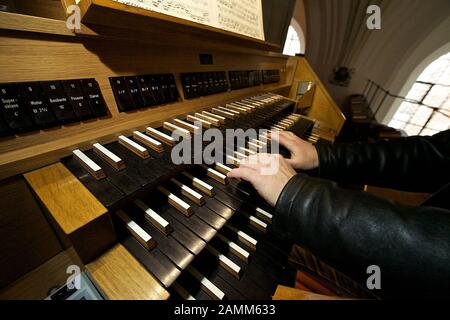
{"points": [[182, 234], [13, 110], [210, 217], [208, 265], [37, 105], [196, 225], [192, 285], [154, 261], [210, 268], [219, 208], [135, 92], [121, 94], [103, 190], [146, 91], [79, 102], [222, 196], [93, 93], [120, 179], [204, 213], [58, 101], [260, 270], [166, 244], [136, 168]]}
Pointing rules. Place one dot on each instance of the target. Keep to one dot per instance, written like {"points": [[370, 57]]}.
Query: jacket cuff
{"points": [[283, 207], [324, 153]]}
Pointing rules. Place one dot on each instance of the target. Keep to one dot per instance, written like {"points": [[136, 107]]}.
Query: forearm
{"points": [[353, 230], [410, 164]]}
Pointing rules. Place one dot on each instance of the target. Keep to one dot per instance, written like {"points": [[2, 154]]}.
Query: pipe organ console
{"points": [[87, 121]]}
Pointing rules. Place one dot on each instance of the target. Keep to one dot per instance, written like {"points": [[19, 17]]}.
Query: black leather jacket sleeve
{"points": [[352, 230], [419, 164]]}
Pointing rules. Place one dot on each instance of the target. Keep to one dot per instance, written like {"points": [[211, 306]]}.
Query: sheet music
{"points": [[239, 16]]}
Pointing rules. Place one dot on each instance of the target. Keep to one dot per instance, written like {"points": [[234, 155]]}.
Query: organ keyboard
{"points": [[97, 153], [196, 217]]}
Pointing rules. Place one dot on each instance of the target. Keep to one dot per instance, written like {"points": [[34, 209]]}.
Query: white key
{"points": [[264, 137], [254, 146], [207, 286], [240, 155], [178, 130], [222, 168], [223, 113], [176, 202], [134, 147], [94, 169], [225, 262], [149, 142], [260, 104], [187, 126], [160, 136], [233, 160], [249, 107], [109, 157], [201, 185], [246, 151], [184, 294], [155, 219], [216, 175], [140, 234], [236, 113], [238, 108], [264, 215], [243, 237], [202, 122], [287, 121], [211, 120], [189, 193], [258, 142], [235, 248], [214, 116], [258, 223]]}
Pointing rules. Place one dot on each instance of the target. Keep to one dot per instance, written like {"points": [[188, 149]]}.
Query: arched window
{"points": [[292, 45], [427, 108]]}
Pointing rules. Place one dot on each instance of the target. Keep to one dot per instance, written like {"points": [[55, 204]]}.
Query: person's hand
{"points": [[303, 154], [268, 173]]}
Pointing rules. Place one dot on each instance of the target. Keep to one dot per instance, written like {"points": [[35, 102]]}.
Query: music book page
{"points": [[239, 16]]}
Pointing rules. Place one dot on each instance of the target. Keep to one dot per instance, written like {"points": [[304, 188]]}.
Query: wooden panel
{"points": [[324, 109], [121, 277], [67, 199], [27, 239], [37, 284]]}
